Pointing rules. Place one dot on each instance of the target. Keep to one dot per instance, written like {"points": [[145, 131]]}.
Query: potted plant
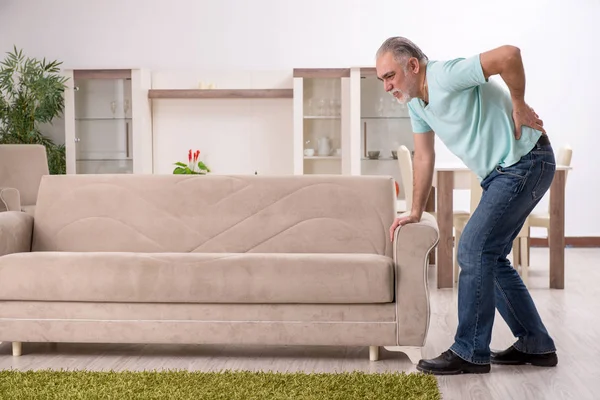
{"points": [[193, 167], [31, 93]]}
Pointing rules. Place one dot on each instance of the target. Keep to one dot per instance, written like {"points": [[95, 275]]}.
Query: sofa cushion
{"points": [[215, 214], [197, 278]]}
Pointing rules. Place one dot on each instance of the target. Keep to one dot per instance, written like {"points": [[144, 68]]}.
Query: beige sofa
{"points": [[286, 260]]}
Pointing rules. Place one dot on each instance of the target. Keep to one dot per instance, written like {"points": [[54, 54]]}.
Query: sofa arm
{"points": [[16, 229], [10, 199], [412, 245]]}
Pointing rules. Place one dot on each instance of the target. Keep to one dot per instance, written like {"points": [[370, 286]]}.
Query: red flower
{"points": [[196, 166]]}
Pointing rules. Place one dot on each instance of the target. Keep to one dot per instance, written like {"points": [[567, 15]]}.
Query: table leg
{"points": [[445, 190], [556, 235]]}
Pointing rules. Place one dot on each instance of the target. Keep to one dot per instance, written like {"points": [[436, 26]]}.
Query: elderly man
{"points": [[502, 140]]}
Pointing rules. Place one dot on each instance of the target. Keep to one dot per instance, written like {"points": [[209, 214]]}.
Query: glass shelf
{"points": [[322, 117], [103, 125], [103, 119], [384, 126], [384, 118], [104, 159], [105, 166]]}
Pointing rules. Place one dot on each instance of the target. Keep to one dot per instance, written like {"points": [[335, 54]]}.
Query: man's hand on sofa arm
{"points": [[10, 199], [409, 218], [16, 229], [408, 233], [401, 221]]}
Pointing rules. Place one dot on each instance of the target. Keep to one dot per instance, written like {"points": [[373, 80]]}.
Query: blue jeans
{"points": [[487, 279]]}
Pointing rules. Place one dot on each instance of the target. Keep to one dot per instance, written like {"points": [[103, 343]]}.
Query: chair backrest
{"points": [[406, 172], [565, 154], [22, 167]]}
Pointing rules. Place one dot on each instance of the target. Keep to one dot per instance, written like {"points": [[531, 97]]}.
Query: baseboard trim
{"points": [[570, 241]]}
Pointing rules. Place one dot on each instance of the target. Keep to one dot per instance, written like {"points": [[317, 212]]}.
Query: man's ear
{"points": [[414, 65]]}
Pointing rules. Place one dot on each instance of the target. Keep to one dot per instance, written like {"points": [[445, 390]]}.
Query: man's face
{"points": [[404, 86]]}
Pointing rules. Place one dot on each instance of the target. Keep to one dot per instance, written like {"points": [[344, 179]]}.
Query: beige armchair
{"points": [[9, 199], [21, 169]]}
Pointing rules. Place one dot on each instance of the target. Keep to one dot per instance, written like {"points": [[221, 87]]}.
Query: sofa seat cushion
{"points": [[197, 277]]}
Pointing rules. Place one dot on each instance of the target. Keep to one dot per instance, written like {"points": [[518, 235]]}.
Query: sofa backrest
{"points": [[215, 213]]}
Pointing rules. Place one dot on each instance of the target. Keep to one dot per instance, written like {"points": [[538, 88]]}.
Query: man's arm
{"points": [[506, 61], [423, 164]]}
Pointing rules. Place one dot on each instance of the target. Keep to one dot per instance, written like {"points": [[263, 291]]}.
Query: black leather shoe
{"points": [[449, 363], [512, 356]]}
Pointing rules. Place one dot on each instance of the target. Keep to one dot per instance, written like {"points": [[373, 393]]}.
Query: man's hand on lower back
{"points": [[523, 115], [409, 219]]}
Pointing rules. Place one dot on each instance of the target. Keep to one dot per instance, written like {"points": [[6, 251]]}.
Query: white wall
{"points": [[234, 136], [556, 40]]}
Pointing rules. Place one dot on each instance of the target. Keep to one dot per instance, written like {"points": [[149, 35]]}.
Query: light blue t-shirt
{"points": [[472, 116]]}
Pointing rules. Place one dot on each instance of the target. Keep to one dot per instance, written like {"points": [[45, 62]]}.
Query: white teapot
{"points": [[324, 146]]}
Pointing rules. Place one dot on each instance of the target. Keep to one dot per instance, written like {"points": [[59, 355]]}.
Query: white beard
{"points": [[411, 90], [404, 97]]}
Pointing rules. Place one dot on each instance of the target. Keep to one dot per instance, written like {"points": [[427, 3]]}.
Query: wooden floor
{"points": [[571, 315]]}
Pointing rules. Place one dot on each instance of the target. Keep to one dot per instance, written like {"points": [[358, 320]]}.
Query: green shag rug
{"points": [[181, 385]]}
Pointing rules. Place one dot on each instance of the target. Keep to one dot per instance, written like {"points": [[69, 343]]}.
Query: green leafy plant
{"points": [[193, 167], [31, 93]]}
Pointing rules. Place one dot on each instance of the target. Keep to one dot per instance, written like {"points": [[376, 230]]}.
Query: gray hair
{"points": [[402, 49]]}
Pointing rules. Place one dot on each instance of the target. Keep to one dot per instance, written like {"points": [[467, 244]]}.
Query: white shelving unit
{"points": [[338, 114], [321, 121], [108, 121], [378, 123]]}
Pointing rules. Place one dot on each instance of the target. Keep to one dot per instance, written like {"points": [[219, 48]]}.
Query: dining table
{"points": [[455, 175]]}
